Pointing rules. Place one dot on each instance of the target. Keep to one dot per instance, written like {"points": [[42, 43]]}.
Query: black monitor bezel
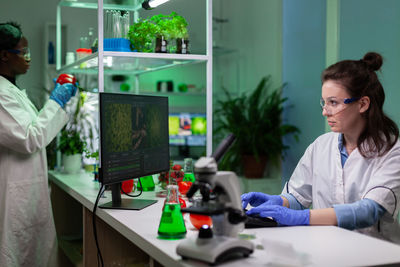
{"points": [[101, 127]]}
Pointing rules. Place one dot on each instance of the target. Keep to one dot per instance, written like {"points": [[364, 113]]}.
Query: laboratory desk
{"points": [[129, 238]]}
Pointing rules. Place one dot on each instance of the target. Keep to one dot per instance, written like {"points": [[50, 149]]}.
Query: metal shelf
{"points": [[128, 5], [132, 63]]}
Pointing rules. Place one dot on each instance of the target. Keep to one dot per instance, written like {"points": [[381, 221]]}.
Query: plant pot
{"points": [[252, 167], [182, 46], [72, 163], [161, 44]]}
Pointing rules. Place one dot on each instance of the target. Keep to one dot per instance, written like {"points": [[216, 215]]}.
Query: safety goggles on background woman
{"points": [[25, 52]]}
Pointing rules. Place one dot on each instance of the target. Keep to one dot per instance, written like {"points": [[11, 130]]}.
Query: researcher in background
{"points": [[27, 231], [350, 176]]}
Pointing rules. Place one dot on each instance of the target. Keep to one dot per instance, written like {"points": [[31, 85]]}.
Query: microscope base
{"points": [[214, 250]]}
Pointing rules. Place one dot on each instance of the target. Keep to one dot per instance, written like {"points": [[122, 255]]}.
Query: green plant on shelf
{"points": [[170, 26], [141, 35], [178, 27]]}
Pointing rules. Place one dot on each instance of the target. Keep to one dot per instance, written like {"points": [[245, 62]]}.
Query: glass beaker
{"points": [[172, 225], [188, 170], [147, 183]]}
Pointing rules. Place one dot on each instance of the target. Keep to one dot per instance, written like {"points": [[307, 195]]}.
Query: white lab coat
{"points": [[320, 180], [27, 231]]}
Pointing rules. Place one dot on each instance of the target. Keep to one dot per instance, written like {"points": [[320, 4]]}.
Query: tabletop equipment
{"points": [[220, 199]]}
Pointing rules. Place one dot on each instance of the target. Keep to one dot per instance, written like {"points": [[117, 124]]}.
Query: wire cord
{"points": [[99, 256], [141, 190]]}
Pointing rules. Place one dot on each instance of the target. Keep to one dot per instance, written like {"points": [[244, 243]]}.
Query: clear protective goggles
{"points": [[25, 52], [333, 105]]}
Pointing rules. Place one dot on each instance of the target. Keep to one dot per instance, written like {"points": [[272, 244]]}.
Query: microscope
{"points": [[220, 199]]}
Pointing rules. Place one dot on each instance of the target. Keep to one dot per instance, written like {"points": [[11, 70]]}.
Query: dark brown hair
{"points": [[359, 79]]}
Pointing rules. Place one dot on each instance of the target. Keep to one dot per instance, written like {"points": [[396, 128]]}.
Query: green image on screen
{"points": [[199, 126], [173, 124]]}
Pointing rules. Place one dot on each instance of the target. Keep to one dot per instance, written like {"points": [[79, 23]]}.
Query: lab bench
{"points": [[129, 238]]}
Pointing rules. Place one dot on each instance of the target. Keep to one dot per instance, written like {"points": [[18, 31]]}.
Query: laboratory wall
{"points": [[370, 25], [303, 61]]}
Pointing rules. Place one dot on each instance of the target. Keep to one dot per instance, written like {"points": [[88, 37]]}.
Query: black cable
{"points": [[94, 227], [141, 190]]}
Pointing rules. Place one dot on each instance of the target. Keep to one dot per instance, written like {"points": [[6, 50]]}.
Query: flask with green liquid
{"points": [[172, 225], [147, 183]]}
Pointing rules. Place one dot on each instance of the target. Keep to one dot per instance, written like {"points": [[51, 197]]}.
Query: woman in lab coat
{"points": [[350, 176], [27, 232]]}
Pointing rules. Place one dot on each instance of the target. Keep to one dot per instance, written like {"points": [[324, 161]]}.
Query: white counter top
{"points": [[323, 245]]}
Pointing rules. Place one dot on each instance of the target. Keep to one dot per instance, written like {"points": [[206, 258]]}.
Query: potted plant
{"points": [[71, 146], [180, 33], [163, 26], [141, 35], [256, 121]]}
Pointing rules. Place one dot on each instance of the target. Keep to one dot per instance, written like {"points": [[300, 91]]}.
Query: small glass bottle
{"points": [[90, 37], [172, 225], [188, 170]]}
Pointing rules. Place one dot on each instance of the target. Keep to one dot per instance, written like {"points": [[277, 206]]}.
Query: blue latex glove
{"points": [[62, 93], [76, 86], [283, 215], [256, 198]]}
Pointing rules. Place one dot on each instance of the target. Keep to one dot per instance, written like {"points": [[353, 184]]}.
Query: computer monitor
{"points": [[187, 129], [133, 142]]}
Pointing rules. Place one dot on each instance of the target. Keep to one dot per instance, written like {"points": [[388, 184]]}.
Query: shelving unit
{"points": [[133, 63]]}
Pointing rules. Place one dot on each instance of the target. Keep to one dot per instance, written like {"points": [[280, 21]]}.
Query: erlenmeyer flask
{"points": [[172, 225]]}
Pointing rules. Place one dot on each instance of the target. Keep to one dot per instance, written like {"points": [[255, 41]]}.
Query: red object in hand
{"points": [[184, 187], [127, 186], [199, 220], [177, 167], [66, 78]]}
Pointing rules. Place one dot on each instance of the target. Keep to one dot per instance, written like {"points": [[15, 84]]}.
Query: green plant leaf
{"points": [[256, 121]]}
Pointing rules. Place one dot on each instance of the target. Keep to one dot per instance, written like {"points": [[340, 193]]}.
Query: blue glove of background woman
{"points": [[62, 93], [282, 215], [256, 198]]}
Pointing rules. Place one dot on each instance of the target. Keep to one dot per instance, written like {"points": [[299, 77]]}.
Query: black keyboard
{"points": [[255, 221]]}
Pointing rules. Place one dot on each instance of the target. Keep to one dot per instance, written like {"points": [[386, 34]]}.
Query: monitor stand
{"points": [[125, 203]]}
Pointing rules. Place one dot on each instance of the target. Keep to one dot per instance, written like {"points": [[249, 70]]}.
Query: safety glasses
{"points": [[333, 105], [24, 52]]}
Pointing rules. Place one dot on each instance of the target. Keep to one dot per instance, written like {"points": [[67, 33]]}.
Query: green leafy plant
{"points": [[94, 155], [141, 35], [256, 121], [170, 26], [71, 143], [163, 25]]}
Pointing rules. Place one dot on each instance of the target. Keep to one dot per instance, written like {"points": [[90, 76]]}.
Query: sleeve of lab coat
{"points": [[25, 132], [300, 183], [384, 186]]}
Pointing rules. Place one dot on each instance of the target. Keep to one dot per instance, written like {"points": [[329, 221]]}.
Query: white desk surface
{"points": [[324, 245]]}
